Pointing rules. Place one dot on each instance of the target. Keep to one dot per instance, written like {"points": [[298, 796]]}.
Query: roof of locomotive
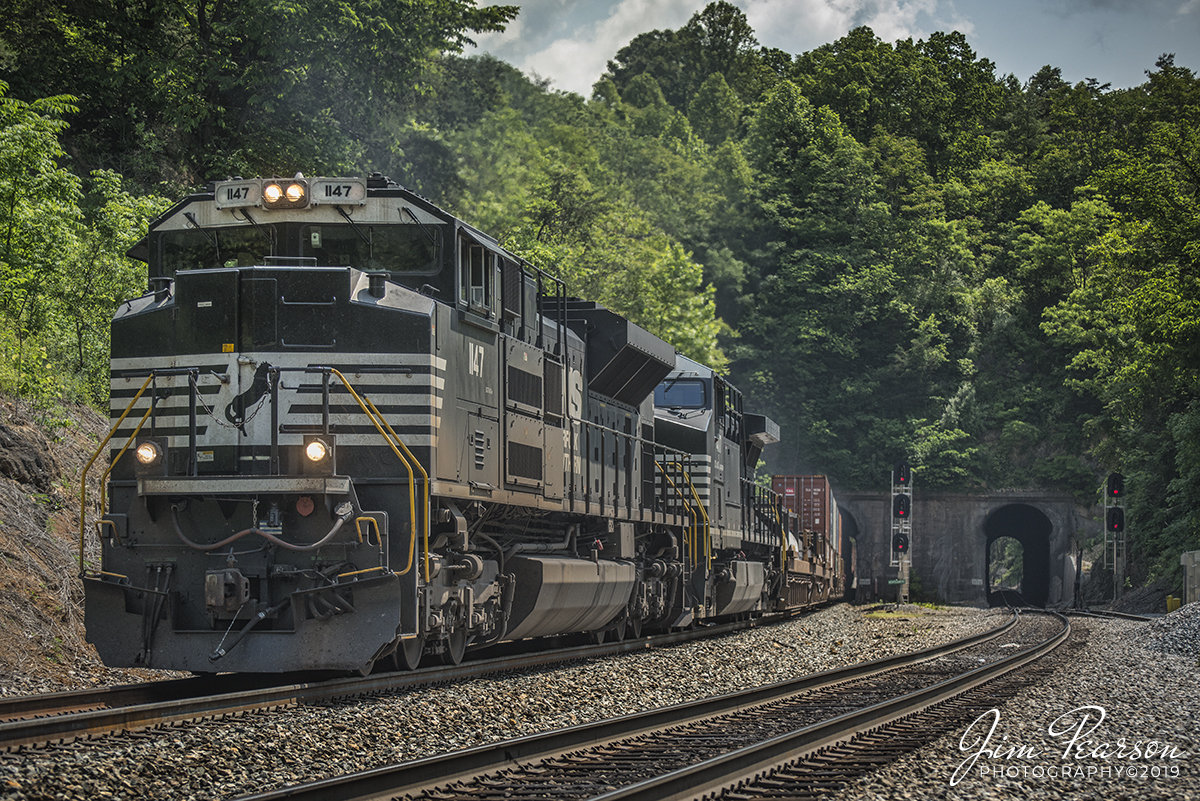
{"points": [[377, 185]]}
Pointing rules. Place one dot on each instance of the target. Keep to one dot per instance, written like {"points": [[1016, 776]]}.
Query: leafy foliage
{"points": [[891, 249]]}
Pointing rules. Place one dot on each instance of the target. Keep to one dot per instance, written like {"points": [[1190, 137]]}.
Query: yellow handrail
{"points": [[358, 521], [424, 477], [707, 520], [117, 458], [373, 414], [686, 505], [412, 493], [88, 466], [783, 537]]}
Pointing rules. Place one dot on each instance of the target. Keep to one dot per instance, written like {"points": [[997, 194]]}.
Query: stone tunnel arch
{"points": [[1032, 529]]}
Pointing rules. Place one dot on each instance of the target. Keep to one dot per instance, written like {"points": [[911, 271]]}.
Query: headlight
{"points": [[147, 453], [291, 194], [316, 450]]}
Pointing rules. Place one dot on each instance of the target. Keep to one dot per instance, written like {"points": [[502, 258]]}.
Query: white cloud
{"points": [[570, 43], [799, 26]]}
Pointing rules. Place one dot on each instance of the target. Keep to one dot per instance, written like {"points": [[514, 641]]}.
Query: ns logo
{"points": [[475, 359]]}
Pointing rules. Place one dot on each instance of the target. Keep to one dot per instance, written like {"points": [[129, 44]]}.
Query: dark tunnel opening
{"points": [[849, 529], [1031, 528]]}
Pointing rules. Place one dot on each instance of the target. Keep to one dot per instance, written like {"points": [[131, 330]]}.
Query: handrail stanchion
{"points": [[194, 389], [424, 480], [273, 377], [707, 530], [88, 466], [691, 515], [125, 447], [412, 499]]}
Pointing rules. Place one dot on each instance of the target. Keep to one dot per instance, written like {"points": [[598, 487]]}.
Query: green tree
{"points": [[1134, 322], [95, 276], [39, 215], [219, 87], [716, 110]]}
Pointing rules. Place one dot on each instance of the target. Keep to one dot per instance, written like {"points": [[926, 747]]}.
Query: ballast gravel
{"points": [[1178, 633], [1118, 719], [261, 751]]}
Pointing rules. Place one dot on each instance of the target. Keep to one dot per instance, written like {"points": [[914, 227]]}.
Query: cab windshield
{"points": [[393, 248], [390, 248], [681, 393], [194, 249]]}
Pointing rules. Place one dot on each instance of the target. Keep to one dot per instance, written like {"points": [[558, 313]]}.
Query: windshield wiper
{"points": [[357, 230], [424, 229], [211, 237], [267, 235]]}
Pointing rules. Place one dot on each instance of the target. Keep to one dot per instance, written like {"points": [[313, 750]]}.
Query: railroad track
{"points": [[59, 717], [706, 747], [1108, 615]]}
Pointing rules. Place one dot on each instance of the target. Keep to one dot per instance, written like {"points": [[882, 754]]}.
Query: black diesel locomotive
{"points": [[351, 430]]}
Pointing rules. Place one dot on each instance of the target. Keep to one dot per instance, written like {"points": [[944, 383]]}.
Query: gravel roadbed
{"points": [[220, 759], [1127, 691]]}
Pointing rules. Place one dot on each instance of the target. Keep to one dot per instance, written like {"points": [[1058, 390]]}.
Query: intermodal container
{"points": [[811, 498]]}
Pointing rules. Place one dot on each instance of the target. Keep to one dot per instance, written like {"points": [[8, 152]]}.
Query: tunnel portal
{"points": [[1031, 528]]}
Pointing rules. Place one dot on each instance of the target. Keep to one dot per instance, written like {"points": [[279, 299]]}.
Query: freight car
{"points": [[352, 431]]}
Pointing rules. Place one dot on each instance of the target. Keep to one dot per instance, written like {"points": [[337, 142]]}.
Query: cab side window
{"points": [[476, 268]]}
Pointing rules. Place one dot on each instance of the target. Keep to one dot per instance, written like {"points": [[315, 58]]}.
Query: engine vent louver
{"points": [[554, 387], [525, 461], [524, 387], [480, 442], [512, 288]]}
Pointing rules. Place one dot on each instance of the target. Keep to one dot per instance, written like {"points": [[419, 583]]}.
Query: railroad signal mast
{"points": [[1114, 530], [902, 524]]}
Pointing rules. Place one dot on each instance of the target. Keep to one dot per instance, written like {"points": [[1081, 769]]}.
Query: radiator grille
{"points": [[554, 378], [525, 461], [524, 387], [512, 288]]}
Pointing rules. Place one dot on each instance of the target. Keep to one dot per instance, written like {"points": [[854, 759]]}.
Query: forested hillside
{"points": [[893, 250]]}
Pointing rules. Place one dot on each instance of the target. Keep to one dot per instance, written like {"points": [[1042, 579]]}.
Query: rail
{"points": [[744, 765], [541, 749], [33, 720]]}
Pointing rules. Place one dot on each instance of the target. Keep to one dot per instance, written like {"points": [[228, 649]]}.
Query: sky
{"points": [[569, 42]]}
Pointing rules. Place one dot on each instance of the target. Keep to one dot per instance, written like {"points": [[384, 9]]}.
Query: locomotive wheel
{"points": [[456, 647], [408, 653], [619, 630], [635, 628]]}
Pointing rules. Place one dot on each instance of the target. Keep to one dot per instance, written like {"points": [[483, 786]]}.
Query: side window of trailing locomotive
{"points": [[190, 249], [476, 274], [391, 248]]}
